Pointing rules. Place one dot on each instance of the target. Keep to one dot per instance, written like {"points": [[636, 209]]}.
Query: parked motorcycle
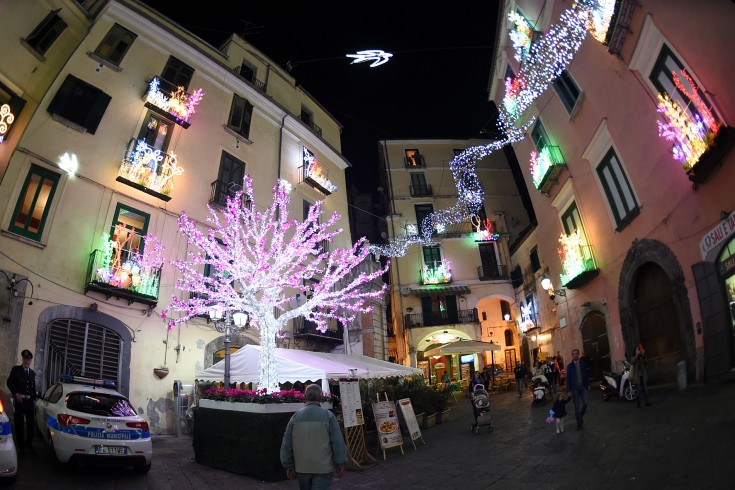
{"points": [[619, 385]]}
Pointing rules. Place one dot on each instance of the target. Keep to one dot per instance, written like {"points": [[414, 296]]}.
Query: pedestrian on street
{"points": [[476, 380], [551, 374], [560, 410], [313, 447], [638, 364], [22, 384], [519, 373], [578, 384]]}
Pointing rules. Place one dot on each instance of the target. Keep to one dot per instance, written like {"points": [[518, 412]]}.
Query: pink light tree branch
{"points": [[258, 262]]}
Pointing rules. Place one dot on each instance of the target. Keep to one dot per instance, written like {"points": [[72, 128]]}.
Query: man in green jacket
{"points": [[313, 447]]}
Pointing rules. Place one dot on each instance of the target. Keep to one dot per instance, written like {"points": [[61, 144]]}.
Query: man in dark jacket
{"points": [[22, 385], [520, 373], [578, 384]]}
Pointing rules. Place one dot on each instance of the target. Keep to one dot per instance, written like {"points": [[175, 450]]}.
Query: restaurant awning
{"points": [[463, 347], [440, 290]]}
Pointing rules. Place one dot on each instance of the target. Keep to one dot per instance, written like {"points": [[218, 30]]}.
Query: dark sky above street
{"points": [[434, 86]]}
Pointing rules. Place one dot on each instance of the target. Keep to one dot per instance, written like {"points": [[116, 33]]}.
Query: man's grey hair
{"points": [[313, 393]]}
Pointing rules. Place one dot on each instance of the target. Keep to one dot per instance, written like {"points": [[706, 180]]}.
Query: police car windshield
{"points": [[96, 403]]}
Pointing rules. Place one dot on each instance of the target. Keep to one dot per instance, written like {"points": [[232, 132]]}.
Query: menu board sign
{"points": [[349, 392], [411, 423], [386, 420]]}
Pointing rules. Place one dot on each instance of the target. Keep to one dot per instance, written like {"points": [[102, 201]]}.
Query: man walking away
{"points": [[578, 384], [519, 373], [22, 384], [313, 446]]}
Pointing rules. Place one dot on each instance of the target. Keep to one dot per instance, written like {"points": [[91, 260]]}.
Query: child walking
{"points": [[560, 410]]}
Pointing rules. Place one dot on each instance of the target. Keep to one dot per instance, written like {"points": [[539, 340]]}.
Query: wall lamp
{"points": [[549, 287], [13, 283]]}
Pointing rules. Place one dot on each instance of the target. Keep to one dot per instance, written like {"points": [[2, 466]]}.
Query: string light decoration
{"points": [[600, 17], [439, 274], [6, 120], [574, 257], [377, 56], [150, 167], [259, 261], [521, 36], [181, 105], [547, 58], [692, 133], [485, 230]]}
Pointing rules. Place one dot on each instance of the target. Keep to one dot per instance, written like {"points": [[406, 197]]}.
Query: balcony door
{"points": [[489, 260]]}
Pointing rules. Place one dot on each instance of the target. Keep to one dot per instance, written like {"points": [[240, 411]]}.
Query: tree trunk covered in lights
{"points": [[260, 261]]}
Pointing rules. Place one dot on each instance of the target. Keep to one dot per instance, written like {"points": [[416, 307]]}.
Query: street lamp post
{"points": [[227, 318]]}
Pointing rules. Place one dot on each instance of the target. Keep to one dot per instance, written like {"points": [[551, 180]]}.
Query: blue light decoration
{"points": [[547, 58]]}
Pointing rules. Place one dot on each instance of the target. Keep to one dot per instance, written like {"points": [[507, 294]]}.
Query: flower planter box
{"points": [[442, 416], [256, 407], [429, 421], [243, 438]]}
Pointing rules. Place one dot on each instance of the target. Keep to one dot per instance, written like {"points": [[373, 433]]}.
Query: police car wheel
{"points": [[54, 458], [143, 469]]}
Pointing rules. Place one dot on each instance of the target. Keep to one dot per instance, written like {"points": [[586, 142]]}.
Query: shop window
{"points": [[34, 203], [241, 114], [79, 105], [177, 73], [567, 90], [617, 189], [115, 45], [44, 35]]}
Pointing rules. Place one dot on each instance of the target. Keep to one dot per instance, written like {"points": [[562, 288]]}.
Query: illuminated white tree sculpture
{"points": [[258, 262]]}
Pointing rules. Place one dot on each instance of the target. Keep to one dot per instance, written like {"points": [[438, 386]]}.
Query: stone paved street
{"points": [[685, 440]]}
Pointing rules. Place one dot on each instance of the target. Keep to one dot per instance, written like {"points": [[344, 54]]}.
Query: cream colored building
{"points": [[458, 288], [107, 138], [654, 245]]}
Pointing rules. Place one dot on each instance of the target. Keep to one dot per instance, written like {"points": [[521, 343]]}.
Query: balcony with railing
{"points": [[221, 190], [246, 72], [546, 166], [125, 274], [171, 101], [492, 273], [423, 190], [306, 119], [149, 170], [577, 262], [314, 175], [306, 329], [415, 161], [441, 318], [439, 273]]}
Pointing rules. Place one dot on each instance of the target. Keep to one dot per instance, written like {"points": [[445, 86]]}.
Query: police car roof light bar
{"points": [[105, 383]]}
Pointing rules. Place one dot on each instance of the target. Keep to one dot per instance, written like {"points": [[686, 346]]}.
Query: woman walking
{"points": [[638, 364]]}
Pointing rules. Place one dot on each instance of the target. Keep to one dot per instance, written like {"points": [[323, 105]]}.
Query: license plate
{"points": [[110, 450]]}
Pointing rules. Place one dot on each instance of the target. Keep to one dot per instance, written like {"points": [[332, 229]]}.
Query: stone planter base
{"points": [[256, 407], [442, 416], [429, 421]]}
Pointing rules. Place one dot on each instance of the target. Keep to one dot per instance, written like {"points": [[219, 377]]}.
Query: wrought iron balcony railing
{"points": [[492, 272], [434, 319], [246, 73], [171, 101], [307, 329], [221, 190], [423, 190], [309, 122], [124, 278], [546, 166], [149, 169]]}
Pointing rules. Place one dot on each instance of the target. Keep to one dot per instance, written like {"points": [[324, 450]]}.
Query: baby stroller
{"points": [[481, 409], [539, 391]]}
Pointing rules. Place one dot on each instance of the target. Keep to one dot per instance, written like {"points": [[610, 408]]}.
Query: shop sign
{"points": [[717, 235], [727, 267]]}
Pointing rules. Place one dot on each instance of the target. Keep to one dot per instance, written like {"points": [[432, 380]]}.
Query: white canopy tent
{"points": [[299, 365], [463, 347]]}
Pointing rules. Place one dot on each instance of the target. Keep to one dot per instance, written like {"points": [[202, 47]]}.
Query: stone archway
{"points": [[651, 265]]}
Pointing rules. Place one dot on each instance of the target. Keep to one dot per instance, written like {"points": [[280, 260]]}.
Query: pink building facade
{"points": [[638, 244]]}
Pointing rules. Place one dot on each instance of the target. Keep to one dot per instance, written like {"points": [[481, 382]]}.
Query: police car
{"points": [[8, 455], [87, 421]]}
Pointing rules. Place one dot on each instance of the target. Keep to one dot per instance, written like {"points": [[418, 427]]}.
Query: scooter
{"points": [[619, 385]]}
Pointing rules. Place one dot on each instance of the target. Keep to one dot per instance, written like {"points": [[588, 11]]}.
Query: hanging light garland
{"points": [[547, 58]]}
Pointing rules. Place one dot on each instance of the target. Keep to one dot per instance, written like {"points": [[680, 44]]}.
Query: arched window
{"points": [[508, 337]]}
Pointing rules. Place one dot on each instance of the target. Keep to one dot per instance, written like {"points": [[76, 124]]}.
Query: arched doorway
{"points": [[595, 344], [658, 323]]}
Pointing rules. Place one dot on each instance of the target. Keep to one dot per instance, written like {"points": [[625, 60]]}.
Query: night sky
{"points": [[435, 86]]}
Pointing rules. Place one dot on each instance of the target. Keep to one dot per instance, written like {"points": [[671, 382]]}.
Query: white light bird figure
{"points": [[378, 57]]}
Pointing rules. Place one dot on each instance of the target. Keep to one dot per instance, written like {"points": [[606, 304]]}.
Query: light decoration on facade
{"points": [[485, 230], [68, 163], [521, 36], [181, 105], [129, 269], [600, 17], [259, 261], [692, 134], [313, 171], [377, 56], [574, 255], [151, 168], [6, 120], [548, 57], [439, 274], [540, 165], [526, 317]]}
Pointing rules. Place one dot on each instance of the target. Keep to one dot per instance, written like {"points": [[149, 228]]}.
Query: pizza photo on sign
{"points": [[388, 426]]}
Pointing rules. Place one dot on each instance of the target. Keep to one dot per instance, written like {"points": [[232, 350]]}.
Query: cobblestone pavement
{"points": [[684, 440]]}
